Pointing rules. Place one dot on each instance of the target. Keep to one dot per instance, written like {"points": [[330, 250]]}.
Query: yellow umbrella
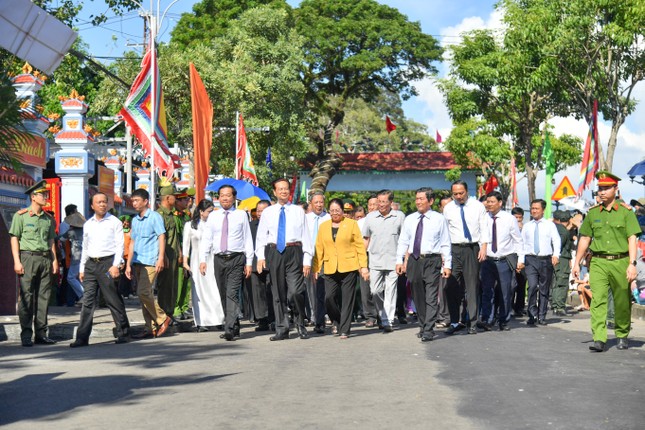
{"points": [[249, 203]]}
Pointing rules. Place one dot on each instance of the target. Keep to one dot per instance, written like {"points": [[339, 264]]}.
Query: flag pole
{"points": [[237, 144], [153, 110]]}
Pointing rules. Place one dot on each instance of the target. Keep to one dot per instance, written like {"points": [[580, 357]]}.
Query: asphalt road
{"points": [[533, 378]]}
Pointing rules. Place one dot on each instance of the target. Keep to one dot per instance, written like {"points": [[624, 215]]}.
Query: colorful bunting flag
{"points": [[589, 165], [245, 166]]}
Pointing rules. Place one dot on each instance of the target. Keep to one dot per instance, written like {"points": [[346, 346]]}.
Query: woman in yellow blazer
{"points": [[340, 252]]}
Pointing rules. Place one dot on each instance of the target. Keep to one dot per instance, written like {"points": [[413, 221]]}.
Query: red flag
{"points": [[491, 184], [439, 138], [292, 189], [389, 125], [589, 165], [245, 166], [202, 131]]}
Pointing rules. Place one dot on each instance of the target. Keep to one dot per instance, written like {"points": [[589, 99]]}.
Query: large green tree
{"points": [[507, 81], [355, 49], [212, 18], [598, 47], [254, 69]]}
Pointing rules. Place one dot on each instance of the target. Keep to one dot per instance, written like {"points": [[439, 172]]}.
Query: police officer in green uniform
{"points": [[167, 279], [610, 230], [34, 256], [563, 268], [182, 216]]}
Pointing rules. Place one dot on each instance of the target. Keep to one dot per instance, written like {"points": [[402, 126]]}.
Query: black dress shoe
{"points": [[452, 329], [27, 343], [228, 336], [201, 329], [484, 326], [277, 337], [427, 337], [504, 327], [302, 332], [44, 341], [472, 330], [623, 343], [387, 329], [403, 320], [530, 321], [263, 327], [78, 343], [319, 329], [121, 339], [542, 321], [597, 346]]}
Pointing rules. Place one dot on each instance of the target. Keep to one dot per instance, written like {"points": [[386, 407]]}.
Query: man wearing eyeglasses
{"points": [[34, 256]]}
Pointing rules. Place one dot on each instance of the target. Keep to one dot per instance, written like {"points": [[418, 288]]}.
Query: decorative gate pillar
{"points": [[74, 163]]}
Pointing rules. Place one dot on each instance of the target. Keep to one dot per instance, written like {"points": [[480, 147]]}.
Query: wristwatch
{"points": [[634, 263]]}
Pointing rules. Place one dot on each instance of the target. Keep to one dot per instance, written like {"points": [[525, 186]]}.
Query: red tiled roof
{"points": [[397, 161], [80, 135], [10, 176]]}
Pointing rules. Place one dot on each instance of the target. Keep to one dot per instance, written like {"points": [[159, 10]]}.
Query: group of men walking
{"points": [[474, 251]]}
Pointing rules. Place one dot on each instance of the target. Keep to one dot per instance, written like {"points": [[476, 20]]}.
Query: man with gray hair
{"points": [[381, 232], [316, 287]]}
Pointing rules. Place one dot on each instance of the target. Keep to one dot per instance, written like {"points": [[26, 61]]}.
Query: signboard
{"points": [[53, 204], [565, 189], [106, 184], [31, 151]]}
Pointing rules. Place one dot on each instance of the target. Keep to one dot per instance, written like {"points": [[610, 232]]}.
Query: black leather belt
{"points": [[468, 244], [611, 256], [496, 259], [540, 257], [38, 253], [273, 245], [229, 256], [429, 255], [100, 259]]}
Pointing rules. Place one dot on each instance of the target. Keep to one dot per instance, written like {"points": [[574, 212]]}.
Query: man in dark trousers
{"points": [[34, 261], [260, 281], [284, 245], [467, 220], [100, 260], [563, 268], [425, 238], [227, 236]]}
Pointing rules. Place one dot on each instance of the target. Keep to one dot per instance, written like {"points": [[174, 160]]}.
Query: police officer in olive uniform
{"points": [[167, 279], [563, 268], [34, 256], [182, 216], [610, 230]]}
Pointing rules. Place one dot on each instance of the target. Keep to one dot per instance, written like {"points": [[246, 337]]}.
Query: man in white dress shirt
{"points": [[283, 244], [227, 239], [100, 260], [426, 239], [504, 255], [316, 287], [542, 252], [468, 221]]}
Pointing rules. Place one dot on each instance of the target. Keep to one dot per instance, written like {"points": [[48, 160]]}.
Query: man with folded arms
{"points": [[503, 258], [100, 260], [147, 253], [227, 239], [283, 244]]}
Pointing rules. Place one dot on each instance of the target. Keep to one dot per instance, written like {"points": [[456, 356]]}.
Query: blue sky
{"points": [[444, 19]]}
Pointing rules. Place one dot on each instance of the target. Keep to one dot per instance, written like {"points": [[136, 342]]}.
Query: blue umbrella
{"points": [[637, 169], [244, 189]]}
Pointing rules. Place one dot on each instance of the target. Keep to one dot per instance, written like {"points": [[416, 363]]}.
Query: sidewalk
{"points": [[63, 322]]}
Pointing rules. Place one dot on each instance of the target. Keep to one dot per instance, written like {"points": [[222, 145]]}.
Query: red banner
{"points": [[53, 203], [32, 151]]}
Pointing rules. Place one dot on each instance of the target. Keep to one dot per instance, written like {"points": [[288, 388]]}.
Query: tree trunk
{"points": [[611, 143], [326, 167]]}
